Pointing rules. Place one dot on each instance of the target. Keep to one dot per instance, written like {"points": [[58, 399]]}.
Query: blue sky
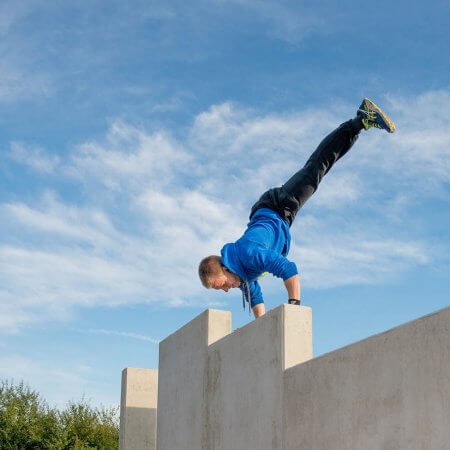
{"points": [[136, 135]]}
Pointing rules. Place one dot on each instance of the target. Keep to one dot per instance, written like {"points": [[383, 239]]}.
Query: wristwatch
{"points": [[294, 301]]}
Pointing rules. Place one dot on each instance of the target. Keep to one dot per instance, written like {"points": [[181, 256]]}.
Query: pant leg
{"points": [[289, 198], [306, 181]]}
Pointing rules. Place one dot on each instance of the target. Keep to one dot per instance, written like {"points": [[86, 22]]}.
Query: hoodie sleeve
{"points": [[255, 292], [274, 263]]}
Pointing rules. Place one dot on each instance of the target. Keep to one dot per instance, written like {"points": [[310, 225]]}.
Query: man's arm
{"points": [[259, 310], [293, 287], [256, 296], [276, 264]]}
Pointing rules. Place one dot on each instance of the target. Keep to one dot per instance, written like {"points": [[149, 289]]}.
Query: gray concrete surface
{"points": [[243, 380], [224, 391], [258, 388], [138, 409], [388, 392], [182, 362]]}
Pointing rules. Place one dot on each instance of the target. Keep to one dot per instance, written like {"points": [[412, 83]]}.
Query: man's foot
{"points": [[372, 116]]}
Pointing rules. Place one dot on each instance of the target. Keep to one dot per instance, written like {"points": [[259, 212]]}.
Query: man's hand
{"points": [[293, 287]]}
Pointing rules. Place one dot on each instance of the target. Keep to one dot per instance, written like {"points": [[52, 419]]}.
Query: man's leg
{"points": [[289, 198], [306, 181]]}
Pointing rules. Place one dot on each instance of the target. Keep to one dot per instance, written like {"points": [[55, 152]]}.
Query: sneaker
{"points": [[373, 116]]}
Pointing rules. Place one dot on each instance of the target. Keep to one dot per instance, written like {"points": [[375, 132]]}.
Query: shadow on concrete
{"points": [[139, 429]]}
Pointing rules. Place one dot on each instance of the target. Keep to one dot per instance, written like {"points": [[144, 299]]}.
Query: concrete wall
{"points": [[228, 394], [391, 391], [138, 408], [258, 388]]}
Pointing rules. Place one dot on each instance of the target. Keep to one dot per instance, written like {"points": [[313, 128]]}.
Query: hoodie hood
{"points": [[231, 261]]}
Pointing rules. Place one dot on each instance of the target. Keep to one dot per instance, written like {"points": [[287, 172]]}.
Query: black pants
{"points": [[289, 198]]}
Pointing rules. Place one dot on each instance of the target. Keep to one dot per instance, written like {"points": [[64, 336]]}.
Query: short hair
{"points": [[208, 268]]}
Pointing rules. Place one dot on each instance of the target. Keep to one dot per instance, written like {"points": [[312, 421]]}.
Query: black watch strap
{"points": [[294, 301]]}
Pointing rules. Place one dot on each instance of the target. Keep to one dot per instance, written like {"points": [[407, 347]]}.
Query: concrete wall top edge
{"points": [[186, 325], [139, 368], [209, 311], [202, 316], [277, 311], [236, 332], [374, 336]]}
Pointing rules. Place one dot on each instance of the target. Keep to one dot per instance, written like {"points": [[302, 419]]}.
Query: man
{"points": [[265, 244]]}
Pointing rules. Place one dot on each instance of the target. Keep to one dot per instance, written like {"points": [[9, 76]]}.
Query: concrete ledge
{"points": [[138, 409]]}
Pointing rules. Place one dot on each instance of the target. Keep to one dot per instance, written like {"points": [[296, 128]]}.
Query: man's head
{"points": [[214, 275]]}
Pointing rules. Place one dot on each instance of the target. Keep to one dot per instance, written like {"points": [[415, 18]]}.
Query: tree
{"points": [[85, 427], [27, 422]]}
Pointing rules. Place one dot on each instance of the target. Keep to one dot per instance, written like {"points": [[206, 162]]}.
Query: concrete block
{"points": [[222, 391], [138, 409], [243, 384], [182, 364], [390, 391]]}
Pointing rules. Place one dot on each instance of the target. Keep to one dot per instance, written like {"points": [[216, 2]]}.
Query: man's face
{"points": [[225, 281]]}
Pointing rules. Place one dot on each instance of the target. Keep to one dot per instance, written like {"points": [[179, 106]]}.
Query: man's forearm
{"points": [[293, 287], [259, 310]]}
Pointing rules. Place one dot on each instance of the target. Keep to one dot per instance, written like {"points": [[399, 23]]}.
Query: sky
{"points": [[135, 137]]}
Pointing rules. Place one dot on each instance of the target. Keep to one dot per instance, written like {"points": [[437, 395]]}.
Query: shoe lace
{"points": [[370, 119]]}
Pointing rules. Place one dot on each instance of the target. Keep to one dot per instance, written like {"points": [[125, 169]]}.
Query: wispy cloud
{"points": [[37, 63], [152, 205], [34, 157], [18, 83], [125, 334], [21, 78], [129, 158], [288, 21], [11, 12], [332, 253]]}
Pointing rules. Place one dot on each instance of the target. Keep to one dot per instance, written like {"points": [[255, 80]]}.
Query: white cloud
{"points": [[34, 157], [80, 224], [126, 334], [337, 192], [152, 206], [332, 253], [247, 152], [418, 154], [129, 158]]}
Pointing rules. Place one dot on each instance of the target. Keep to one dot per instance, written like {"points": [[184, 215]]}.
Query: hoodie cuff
{"points": [[290, 271]]}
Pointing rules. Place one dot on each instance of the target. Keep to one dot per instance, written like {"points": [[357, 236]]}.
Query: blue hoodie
{"points": [[262, 248]]}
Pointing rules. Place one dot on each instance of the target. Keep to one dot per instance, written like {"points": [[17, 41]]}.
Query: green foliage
{"points": [[85, 427], [27, 422]]}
